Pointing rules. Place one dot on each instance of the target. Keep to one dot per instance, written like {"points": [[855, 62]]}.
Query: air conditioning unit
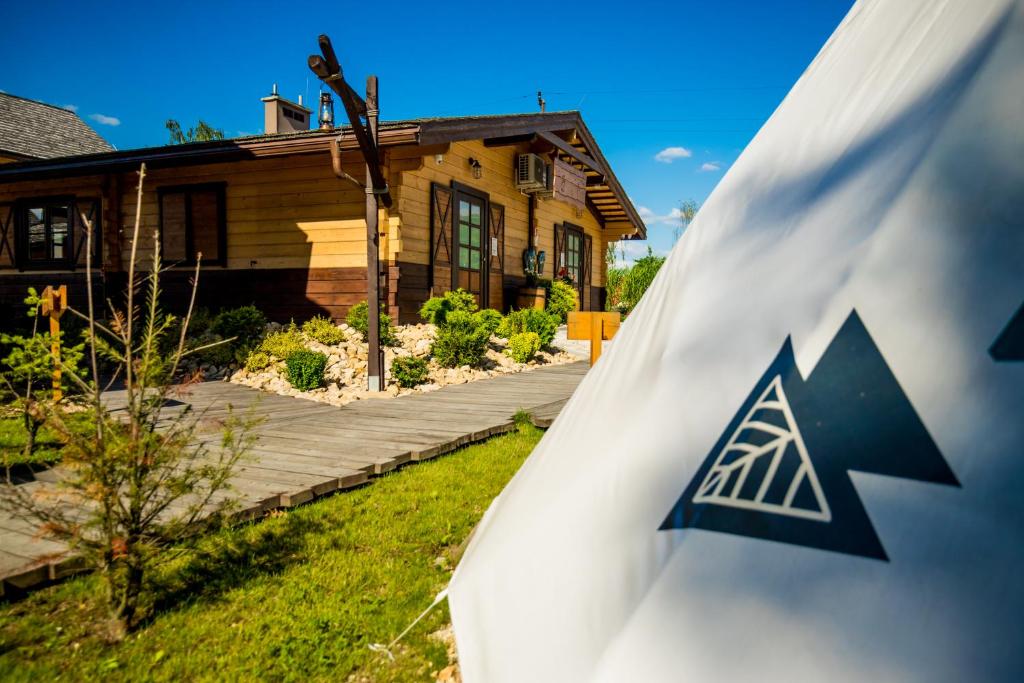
{"points": [[532, 173]]}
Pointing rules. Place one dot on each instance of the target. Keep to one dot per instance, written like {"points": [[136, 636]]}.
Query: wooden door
{"points": [[472, 246]]}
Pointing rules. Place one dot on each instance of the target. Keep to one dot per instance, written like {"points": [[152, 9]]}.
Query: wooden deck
{"points": [[306, 449]]}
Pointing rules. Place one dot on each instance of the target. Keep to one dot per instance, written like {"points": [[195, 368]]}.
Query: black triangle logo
{"points": [[1009, 345], [779, 472]]}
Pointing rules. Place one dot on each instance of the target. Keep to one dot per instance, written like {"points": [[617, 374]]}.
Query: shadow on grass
{"points": [[230, 559]]}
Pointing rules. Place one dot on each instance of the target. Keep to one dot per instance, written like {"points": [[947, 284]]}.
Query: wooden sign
{"points": [[595, 326], [55, 301], [569, 184]]}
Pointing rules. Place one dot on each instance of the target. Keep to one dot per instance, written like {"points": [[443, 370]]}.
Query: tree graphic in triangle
{"points": [[765, 466], [780, 470]]}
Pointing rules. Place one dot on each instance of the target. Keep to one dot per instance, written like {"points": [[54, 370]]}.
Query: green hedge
{"points": [[462, 340], [306, 369], [523, 346], [359, 319], [409, 371], [544, 324]]}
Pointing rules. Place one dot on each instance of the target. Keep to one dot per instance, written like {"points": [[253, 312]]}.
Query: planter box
{"points": [[531, 297]]}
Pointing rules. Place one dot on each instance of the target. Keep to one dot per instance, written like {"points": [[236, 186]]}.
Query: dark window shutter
{"points": [[588, 242], [559, 260], [497, 260], [86, 209], [440, 238], [6, 235]]}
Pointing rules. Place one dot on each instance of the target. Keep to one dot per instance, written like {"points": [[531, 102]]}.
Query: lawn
{"points": [[296, 595], [48, 444]]}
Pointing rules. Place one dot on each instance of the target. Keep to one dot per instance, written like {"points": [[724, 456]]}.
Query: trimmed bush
{"points": [[221, 354], [523, 346], [562, 299], [323, 330], [529, 320], [409, 371], [246, 324], [358, 319], [488, 319], [258, 361], [460, 341], [283, 344], [437, 308], [306, 369]]}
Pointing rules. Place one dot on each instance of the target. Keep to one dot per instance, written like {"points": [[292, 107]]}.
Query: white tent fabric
{"points": [[803, 457]]}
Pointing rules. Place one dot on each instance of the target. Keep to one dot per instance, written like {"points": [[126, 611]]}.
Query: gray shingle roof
{"points": [[43, 131]]}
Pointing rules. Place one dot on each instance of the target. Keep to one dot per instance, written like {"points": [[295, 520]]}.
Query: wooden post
{"points": [[55, 300], [374, 355], [595, 326]]}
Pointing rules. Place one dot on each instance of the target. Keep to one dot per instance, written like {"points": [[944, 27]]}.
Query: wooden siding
{"points": [[289, 212], [412, 206]]}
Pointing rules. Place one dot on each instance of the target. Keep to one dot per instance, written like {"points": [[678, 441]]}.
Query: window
{"points": [[45, 228], [192, 221], [470, 222], [573, 254]]}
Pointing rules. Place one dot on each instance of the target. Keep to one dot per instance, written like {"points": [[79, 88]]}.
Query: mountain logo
{"points": [[779, 472], [1009, 345]]}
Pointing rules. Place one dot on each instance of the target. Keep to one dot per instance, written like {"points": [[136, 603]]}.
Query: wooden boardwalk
{"points": [[306, 449]]}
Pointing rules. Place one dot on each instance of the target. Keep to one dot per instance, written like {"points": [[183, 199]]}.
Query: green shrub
{"points": [[284, 343], [488, 319], [258, 361], [358, 319], [323, 330], [409, 371], [562, 299], [246, 324], [638, 278], [306, 369], [221, 354], [198, 325], [523, 346], [437, 308], [460, 341], [529, 320]]}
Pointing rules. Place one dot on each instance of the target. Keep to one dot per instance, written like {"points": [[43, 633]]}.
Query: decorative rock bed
{"points": [[345, 375]]}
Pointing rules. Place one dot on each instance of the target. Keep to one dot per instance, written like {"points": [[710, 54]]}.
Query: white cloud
{"points": [[670, 154], [708, 166], [71, 107], [628, 251], [105, 120], [652, 218]]}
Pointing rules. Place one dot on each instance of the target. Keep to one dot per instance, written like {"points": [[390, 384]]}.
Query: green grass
{"points": [[294, 596], [48, 444]]}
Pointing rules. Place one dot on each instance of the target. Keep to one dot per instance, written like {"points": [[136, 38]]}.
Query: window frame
{"points": [[22, 259], [220, 188], [576, 231]]}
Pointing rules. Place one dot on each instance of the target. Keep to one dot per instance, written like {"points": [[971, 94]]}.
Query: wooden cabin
{"points": [[279, 229]]}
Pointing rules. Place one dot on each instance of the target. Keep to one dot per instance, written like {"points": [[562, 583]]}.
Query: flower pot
{"points": [[531, 297]]}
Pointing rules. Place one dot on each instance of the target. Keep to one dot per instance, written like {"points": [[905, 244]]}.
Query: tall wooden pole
{"points": [[374, 355]]}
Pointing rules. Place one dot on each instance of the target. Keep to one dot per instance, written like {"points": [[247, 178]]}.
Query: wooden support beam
{"points": [[579, 156], [509, 140]]}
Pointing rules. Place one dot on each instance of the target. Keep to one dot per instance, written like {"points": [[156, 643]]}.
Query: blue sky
{"points": [[697, 78]]}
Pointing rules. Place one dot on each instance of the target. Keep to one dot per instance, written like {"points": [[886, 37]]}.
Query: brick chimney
{"points": [[282, 116]]}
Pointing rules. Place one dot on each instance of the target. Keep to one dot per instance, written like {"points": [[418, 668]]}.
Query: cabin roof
{"points": [[36, 130], [564, 133]]}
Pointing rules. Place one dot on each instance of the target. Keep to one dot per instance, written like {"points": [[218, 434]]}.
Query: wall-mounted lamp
{"points": [[439, 158], [477, 169]]}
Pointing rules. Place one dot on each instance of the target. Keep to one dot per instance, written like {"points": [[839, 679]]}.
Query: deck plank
{"points": [[304, 449]]}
